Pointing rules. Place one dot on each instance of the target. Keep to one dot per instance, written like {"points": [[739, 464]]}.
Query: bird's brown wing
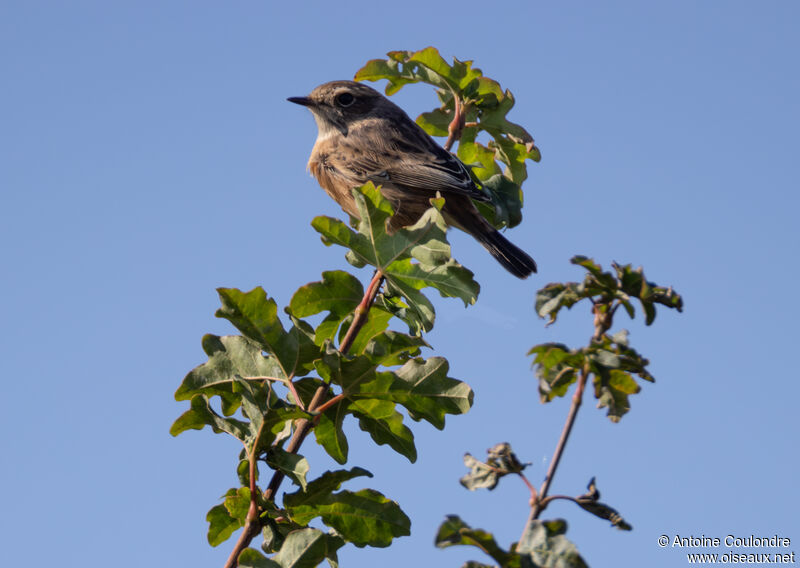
{"points": [[407, 159]]}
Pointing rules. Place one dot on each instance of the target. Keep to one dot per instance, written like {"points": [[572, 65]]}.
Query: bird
{"points": [[364, 137]]}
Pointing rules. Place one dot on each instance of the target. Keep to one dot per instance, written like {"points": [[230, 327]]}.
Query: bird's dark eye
{"points": [[345, 99]]}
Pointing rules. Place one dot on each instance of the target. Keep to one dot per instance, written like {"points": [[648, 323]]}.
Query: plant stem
{"points": [[577, 399], [531, 488], [456, 125], [302, 428], [251, 525]]}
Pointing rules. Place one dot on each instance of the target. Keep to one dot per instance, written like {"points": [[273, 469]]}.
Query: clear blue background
{"points": [[148, 156]]}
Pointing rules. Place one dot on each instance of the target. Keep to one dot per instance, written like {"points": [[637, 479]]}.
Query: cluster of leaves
{"points": [[543, 543], [238, 390], [478, 104], [609, 360], [410, 260], [612, 364]]}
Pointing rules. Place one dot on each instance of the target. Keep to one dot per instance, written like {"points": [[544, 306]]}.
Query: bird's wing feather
{"points": [[409, 159]]}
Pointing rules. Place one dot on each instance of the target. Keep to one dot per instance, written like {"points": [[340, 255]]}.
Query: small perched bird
{"points": [[363, 136]]}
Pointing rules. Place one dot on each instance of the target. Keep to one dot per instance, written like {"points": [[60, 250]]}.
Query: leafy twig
{"points": [[302, 428]]}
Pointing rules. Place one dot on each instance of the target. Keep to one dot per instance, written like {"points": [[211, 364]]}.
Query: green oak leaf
{"points": [[384, 425], [338, 293], [237, 503], [426, 65], [251, 558], [633, 283], [307, 548], [543, 545], [200, 415], [294, 466], [329, 482], [424, 389], [478, 157], [612, 389], [376, 415], [421, 386], [557, 367], [455, 532], [377, 323], [505, 209], [221, 524], [329, 433], [365, 518], [392, 348], [553, 297], [435, 122], [256, 316], [229, 357]]}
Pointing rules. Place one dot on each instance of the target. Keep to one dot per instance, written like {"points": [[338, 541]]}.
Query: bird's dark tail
{"points": [[513, 259]]}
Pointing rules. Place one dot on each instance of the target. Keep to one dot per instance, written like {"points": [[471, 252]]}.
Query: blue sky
{"points": [[149, 156]]}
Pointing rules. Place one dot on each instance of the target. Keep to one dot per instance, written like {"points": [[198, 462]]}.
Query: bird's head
{"points": [[338, 104]]}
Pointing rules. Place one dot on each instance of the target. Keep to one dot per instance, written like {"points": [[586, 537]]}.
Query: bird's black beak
{"points": [[305, 101]]}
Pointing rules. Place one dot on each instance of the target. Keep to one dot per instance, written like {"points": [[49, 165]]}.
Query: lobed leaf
{"points": [[294, 466], [338, 293], [251, 558], [200, 415], [256, 316], [365, 518], [553, 297], [506, 205], [221, 525], [424, 389], [543, 545], [329, 433], [384, 425], [276, 527], [556, 367], [307, 548], [392, 348], [479, 158], [455, 532], [377, 323], [229, 357]]}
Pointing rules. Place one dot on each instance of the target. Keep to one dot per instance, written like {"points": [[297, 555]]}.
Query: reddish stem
{"points": [[577, 399], [456, 125]]}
